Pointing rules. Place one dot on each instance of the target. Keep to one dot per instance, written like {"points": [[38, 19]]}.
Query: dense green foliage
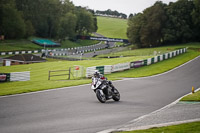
{"points": [[11, 20], [44, 18], [178, 22], [109, 12]]}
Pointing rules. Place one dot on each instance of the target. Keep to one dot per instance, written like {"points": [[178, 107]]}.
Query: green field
{"points": [[157, 68], [109, 27], [195, 97], [140, 52], [193, 127], [79, 43], [39, 75], [18, 45], [112, 27], [39, 71]]}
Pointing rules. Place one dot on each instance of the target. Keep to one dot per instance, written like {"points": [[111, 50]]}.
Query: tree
{"points": [[11, 21], [145, 29], [112, 13], [85, 22], [196, 19], [43, 14], [94, 20], [68, 26], [151, 30], [29, 28], [179, 27], [134, 26], [130, 16]]}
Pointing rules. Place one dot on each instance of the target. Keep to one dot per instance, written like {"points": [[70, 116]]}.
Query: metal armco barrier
{"points": [[107, 69], [4, 77], [20, 76], [15, 76], [20, 52], [121, 67], [137, 64]]}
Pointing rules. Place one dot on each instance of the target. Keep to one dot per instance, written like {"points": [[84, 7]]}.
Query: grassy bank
{"points": [[157, 68], [193, 127], [140, 52], [195, 97], [39, 71], [39, 75], [79, 43], [19, 45], [112, 27]]}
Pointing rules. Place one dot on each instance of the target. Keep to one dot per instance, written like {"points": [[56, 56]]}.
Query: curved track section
{"points": [[76, 109]]}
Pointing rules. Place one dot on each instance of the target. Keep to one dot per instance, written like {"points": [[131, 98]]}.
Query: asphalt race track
{"points": [[76, 109]]}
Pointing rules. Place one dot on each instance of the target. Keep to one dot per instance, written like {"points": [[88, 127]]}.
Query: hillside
{"points": [[112, 27]]}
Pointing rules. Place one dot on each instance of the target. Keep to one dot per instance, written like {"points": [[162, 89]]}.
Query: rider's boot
{"points": [[113, 88]]}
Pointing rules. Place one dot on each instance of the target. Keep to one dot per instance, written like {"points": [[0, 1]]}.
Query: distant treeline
{"points": [[160, 24], [111, 14], [44, 18]]}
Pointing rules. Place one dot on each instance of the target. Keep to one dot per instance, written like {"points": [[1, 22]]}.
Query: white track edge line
{"points": [[142, 117], [55, 89]]}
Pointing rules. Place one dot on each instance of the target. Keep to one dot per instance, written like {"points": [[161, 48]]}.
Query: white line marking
{"points": [[89, 84], [123, 128], [167, 106], [163, 124], [29, 93]]}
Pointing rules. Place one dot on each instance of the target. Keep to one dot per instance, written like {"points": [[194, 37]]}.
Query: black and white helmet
{"points": [[96, 74]]}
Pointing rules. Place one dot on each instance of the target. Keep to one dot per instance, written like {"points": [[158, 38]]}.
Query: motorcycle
{"points": [[103, 90]]}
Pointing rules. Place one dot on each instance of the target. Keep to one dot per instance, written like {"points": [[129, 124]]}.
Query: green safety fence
{"points": [[163, 56], [158, 57], [100, 69], [145, 62], [152, 60]]}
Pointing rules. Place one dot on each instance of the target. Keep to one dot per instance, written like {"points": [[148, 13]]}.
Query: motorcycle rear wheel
{"points": [[100, 97]]}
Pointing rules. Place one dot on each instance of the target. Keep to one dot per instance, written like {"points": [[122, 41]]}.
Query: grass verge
{"points": [[157, 68], [39, 72], [15, 45], [19, 45], [112, 27], [39, 75], [79, 43], [195, 97], [193, 127]]}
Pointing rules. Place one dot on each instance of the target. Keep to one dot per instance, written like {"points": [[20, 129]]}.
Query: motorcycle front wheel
{"points": [[100, 96], [116, 95]]}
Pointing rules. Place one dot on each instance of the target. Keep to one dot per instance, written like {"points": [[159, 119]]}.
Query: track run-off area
{"points": [[76, 109]]}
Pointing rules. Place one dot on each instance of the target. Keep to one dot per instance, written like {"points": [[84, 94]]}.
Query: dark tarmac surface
{"points": [[77, 110], [178, 113]]}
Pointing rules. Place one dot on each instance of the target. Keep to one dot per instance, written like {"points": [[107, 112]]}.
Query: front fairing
{"points": [[96, 82]]}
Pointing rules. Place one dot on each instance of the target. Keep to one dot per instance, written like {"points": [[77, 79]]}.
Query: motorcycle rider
{"points": [[101, 76]]}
